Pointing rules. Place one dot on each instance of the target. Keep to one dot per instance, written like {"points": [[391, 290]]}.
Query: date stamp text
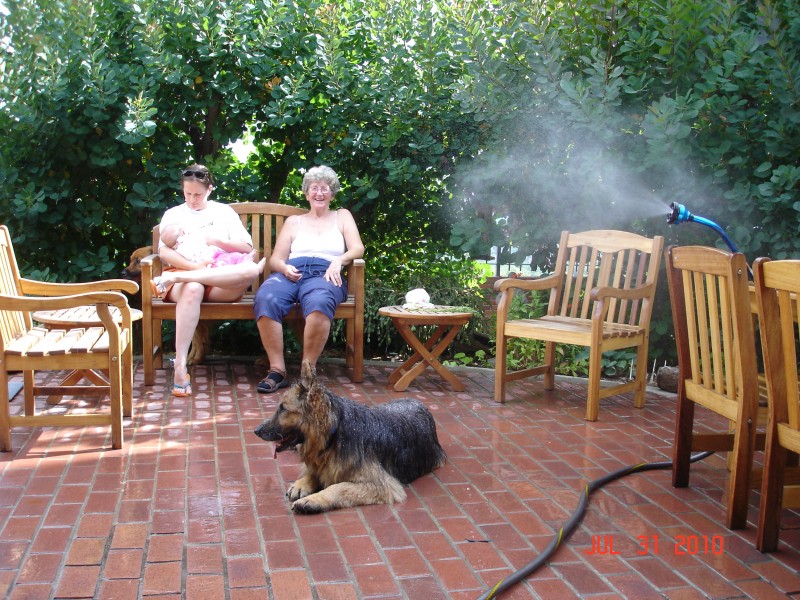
{"points": [[687, 545]]}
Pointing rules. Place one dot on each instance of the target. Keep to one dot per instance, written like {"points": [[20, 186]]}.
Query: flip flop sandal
{"points": [[274, 381], [159, 291], [182, 391]]}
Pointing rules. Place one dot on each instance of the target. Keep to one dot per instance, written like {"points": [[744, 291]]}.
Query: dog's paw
{"points": [[307, 506], [301, 488], [292, 493]]}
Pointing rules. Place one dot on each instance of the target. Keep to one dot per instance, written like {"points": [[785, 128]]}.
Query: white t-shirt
{"points": [[216, 219]]}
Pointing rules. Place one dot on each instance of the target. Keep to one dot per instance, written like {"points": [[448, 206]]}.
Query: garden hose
{"points": [[564, 533]]}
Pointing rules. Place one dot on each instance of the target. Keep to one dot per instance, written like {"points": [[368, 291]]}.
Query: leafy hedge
{"points": [[455, 126], [600, 114]]}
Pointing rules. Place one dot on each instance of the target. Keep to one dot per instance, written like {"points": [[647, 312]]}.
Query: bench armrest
{"points": [[150, 268], [33, 304], [47, 288], [355, 277]]}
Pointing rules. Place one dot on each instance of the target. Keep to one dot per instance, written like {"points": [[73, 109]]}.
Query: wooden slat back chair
{"points": [[601, 296], [264, 221], [28, 348], [717, 366], [777, 285]]}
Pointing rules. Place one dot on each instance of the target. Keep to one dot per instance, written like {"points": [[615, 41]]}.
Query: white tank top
{"points": [[327, 245]]}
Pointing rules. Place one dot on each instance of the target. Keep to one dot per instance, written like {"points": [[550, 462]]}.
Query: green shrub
{"points": [[448, 280]]}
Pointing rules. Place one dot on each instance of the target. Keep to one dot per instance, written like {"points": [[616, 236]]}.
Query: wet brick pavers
{"points": [[193, 506]]}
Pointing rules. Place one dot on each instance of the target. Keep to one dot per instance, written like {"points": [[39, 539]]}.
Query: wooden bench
{"points": [[264, 221]]}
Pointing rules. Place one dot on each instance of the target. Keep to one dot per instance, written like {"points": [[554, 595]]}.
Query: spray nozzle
{"points": [[680, 214]]}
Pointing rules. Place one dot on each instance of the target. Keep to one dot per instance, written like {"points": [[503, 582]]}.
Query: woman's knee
{"points": [[269, 325], [272, 302], [322, 303], [191, 292], [317, 318]]}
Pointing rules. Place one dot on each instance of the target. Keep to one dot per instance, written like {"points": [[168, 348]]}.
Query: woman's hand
{"points": [[334, 272], [292, 274]]}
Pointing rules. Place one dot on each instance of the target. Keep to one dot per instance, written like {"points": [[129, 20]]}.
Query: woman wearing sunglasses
{"points": [[188, 283]]}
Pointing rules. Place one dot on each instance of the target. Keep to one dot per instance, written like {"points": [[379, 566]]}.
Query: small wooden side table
{"points": [[71, 318], [448, 321]]}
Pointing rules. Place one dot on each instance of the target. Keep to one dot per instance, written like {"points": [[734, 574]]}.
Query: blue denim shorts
{"points": [[276, 296]]}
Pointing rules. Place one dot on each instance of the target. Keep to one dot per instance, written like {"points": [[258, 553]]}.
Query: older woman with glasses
{"points": [[188, 283], [306, 266]]}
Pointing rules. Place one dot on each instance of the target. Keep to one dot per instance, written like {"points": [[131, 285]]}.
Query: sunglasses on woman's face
{"points": [[197, 174]]}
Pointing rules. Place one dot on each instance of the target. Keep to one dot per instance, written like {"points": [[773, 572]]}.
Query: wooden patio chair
{"points": [[601, 297], [777, 285], [28, 348], [717, 366]]}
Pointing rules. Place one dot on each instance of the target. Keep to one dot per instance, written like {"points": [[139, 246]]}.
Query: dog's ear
{"points": [[308, 375]]}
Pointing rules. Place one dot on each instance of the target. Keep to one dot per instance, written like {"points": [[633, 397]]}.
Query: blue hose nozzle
{"points": [[680, 214]]}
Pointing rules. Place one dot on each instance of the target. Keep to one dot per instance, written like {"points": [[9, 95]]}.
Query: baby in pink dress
{"points": [[195, 248]]}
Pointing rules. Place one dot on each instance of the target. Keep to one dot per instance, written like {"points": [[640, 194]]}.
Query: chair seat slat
{"points": [[65, 343], [51, 341], [87, 341], [23, 343]]}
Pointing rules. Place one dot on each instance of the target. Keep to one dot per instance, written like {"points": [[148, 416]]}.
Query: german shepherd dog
{"points": [[352, 454], [201, 337]]}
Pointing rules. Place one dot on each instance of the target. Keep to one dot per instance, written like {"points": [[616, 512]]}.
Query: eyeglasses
{"points": [[315, 189], [197, 174]]}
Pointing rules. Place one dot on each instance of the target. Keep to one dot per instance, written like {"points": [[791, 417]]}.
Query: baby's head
{"points": [[171, 233]]}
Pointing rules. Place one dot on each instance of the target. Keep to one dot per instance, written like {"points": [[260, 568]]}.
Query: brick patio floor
{"points": [[193, 506]]}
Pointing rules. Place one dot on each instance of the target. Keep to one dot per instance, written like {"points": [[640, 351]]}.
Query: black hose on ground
{"points": [[564, 533]]}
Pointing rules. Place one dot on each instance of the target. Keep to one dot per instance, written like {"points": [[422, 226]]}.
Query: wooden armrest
{"points": [[522, 283], [30, 304], [47, 288], [612, 292], [150, 267], [150, 259], [602, 294]]}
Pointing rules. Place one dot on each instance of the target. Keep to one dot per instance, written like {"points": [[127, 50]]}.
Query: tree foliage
{"points": [[477, 123], [119, 95], [603, 113]]}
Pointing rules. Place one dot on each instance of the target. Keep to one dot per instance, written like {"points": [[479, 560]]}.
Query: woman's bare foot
{"points": [[159, 291], [166, 279], [181, 381]]}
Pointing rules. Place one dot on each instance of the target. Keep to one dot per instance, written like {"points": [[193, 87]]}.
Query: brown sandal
{"points": [[274, 381]]}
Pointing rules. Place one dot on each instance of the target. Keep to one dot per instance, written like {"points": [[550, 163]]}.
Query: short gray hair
{"points": [[321, 174]]}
